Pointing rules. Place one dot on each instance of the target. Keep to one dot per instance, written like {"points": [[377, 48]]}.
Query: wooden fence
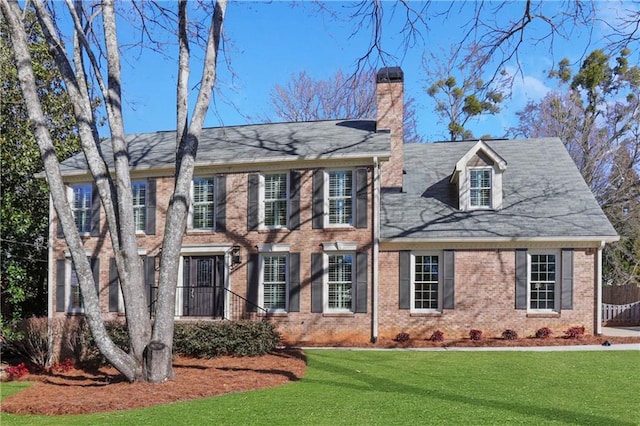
{"points": [[620, 294], [628, 314]]}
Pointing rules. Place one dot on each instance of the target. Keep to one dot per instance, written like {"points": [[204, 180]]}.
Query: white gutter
{"points": [[50, 281], [599, 289], [376, 248]]}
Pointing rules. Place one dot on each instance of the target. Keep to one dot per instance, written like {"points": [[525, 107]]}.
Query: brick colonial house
{"points": [[337, 231]]}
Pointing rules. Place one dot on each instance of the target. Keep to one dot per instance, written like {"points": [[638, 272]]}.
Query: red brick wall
{"points": [[485, 299], [302, 326]]}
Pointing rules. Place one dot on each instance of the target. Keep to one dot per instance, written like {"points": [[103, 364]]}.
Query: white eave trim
{"points": [[249, 165], [494, 242]]}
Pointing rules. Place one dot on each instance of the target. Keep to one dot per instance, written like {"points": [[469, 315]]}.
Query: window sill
{"points": [[339, 314], [543, 314], [425, 314], [200, 231], [277, 314]]}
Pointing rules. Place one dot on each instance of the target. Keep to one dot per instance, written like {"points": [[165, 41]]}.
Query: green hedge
{"points": [[212, 339], [207, 339]]}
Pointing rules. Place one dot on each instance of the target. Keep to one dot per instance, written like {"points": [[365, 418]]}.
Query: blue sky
{"points": [[267, 42]]}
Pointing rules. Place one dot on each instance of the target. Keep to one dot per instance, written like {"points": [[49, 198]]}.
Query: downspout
{"points": [[599, 289], [376, 248], [50, 282]]}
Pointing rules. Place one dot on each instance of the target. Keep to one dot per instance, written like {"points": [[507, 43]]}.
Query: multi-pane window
{"points": [[274, 281], [81, 207], [139, 205], [75, 295], [340, 197], [203, 203], [426, 282], [340, 282], [480, 187], [542, 283], [275, 200]]}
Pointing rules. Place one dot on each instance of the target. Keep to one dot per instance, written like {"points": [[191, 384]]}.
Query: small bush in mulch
{"points": [[509, 334], [402, 337], [574, 333], [16, 371], [437, 336], [475, 334], [543, 333]]}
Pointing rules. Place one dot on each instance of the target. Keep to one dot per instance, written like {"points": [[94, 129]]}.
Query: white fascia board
{"points": [[390, 244]]}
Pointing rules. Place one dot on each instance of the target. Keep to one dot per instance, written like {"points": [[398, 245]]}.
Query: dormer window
{"points": [[480, 188], [478, 177]]}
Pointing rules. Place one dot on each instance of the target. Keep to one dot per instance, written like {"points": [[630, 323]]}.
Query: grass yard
{"points": [[408, 387]]}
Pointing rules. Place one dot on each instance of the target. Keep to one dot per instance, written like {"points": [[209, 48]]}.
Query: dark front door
{"points": [[203, 286]]}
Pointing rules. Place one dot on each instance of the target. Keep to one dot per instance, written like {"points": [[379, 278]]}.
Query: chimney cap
{"points": [[390, 75]]}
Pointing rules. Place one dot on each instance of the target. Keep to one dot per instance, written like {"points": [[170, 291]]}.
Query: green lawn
{"points": [[398, 387]]}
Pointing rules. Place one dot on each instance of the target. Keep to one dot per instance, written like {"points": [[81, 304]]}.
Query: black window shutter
{"points": [[405, 280], [59, 232], [521, 279], [150, 226], [317, 220], [221, 203], [113, 286], [61, 267], [449, 269], [253, 281], [294, 282], [317, 273], [94, 262], [253, 201], [95, 211], [149, 265], [362, 275], [294, 200], [361, 198], [567, 279]]}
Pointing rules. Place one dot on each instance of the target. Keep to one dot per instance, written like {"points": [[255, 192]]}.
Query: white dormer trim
{"points": [[461, 177]]}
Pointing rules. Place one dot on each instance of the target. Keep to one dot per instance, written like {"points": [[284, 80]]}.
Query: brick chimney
{"points": [[390, 103]]}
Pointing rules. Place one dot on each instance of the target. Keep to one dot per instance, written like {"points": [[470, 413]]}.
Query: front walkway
{"points": [[621, 331]]}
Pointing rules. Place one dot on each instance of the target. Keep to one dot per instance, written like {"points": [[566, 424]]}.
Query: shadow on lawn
{"points": [[386, 385]]}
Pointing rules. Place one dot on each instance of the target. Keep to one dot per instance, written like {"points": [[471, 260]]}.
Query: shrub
{"points": [[213, 339], [16, 371], [475, 334], [84, 346], [543, 333], [64, 366], [574, 332], [509, 334], [29, 340], [402, 337], [437, 336]]}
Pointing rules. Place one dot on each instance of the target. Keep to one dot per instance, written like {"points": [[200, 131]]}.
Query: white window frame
{"points": [[489, 188], [193, 204], [327, 200], [263, 200], [440, 299], [261, 287], [140, 209], [557, 281], [88, 211], [326, 282]]}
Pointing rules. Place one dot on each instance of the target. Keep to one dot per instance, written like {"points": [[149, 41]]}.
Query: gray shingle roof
{"points": [[253, 144], [544, 196]]}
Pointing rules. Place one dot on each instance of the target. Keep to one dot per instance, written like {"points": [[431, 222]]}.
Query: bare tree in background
{"points": [[94, 36], [338, 97], [597, 116]]}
